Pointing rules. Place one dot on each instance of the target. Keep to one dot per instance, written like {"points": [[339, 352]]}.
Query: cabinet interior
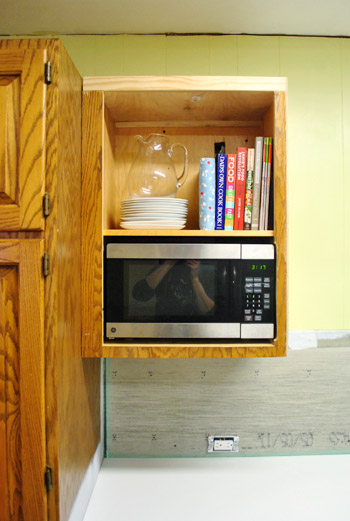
{"points": [[196, 119]]}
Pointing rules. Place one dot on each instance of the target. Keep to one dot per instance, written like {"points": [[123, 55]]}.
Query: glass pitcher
{"points": [[153, 173]]}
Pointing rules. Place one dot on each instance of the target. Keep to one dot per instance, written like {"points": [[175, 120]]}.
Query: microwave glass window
{"points": [[166, 289]]}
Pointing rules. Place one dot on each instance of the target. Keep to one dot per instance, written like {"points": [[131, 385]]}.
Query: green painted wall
{"points": [[318, 152]]}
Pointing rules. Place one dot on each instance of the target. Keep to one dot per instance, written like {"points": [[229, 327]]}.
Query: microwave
{"points": [[184, 290]]}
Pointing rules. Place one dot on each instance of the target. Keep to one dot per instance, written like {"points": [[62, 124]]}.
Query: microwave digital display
{"points": [[189, 291]]}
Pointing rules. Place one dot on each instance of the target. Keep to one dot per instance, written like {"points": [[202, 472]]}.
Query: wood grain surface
{"points": [[11, 502], [22, 423], [92, 146], [32, 379], [171, 83], [72, 385], [78, 380], [280, 220], [22, 152]]}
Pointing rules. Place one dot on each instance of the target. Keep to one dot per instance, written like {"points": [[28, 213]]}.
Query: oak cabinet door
{"points": [[22, 412], [22, 139]]}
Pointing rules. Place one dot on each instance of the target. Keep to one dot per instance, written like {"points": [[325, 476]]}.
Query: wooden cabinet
{"points": [[22, 386], [22, 139], [49, 395], [196, 111]]}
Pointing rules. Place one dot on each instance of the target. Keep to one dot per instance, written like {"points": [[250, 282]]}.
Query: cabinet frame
{"points": [[98, 151]]}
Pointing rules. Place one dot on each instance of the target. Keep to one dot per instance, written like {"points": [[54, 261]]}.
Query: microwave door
{"points": [[171, 298]]}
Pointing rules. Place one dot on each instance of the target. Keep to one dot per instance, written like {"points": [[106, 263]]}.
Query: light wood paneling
{"points": [[188, 233], [78, 380], [188, 105], [92, 140], [113, 186], [280, 220], [171, 83]]}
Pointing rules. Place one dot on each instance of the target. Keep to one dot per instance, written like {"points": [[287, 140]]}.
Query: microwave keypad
{"points": [[257, 298]]}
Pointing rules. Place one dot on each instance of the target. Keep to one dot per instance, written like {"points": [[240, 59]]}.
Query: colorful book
{"points": [[263, 184], [207, 193], [268, 182], [230, 191], [240, 187], [220, 192], [259, 142], [249, 190]]}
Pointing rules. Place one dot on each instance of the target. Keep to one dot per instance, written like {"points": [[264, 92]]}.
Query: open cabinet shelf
{"points": [[196, 111]]}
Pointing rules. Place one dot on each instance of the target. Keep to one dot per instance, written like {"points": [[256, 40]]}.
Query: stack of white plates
{"points": [[154, 213]]}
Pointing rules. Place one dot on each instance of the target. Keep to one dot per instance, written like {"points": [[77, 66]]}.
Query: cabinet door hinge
{"points": [[46, 264], [48, 73], [48, 478], [46, 205]]}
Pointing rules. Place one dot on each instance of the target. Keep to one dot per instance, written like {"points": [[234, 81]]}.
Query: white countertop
{"points": [[288, 488]]}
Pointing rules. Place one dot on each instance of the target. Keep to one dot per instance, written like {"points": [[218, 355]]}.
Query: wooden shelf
{"points": [[187, 233], [214, 350]]}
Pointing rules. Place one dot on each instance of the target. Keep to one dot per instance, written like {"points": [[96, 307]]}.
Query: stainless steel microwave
{"points": [[189, 291]]}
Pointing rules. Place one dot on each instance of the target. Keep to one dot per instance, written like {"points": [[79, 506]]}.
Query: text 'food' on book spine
{"points": [[220, 192], [257, 182], [249, 190], [240, 187], [207, 193], [230, 191]]}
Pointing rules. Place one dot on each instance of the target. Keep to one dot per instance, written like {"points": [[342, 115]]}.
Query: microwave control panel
{"points": [[258, 291]]}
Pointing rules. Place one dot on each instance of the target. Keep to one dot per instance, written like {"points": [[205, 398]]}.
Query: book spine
{"points": [[249, 190], [240, 187], [220, 192], [257, 182], [230, 191], [207, 193], [263, 186], [268, 181]]}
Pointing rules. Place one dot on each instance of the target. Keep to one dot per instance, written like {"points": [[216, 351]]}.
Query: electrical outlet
{"points": [[223, 443]]}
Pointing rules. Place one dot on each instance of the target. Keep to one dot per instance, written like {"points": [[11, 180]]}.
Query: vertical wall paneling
{"points": [[258, 56], [187, 55], [223, 55], [345, 71], [315, 180]]}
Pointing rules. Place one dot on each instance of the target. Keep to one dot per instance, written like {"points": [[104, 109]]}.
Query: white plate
{"points": [[151, 226], [164, 219], [143, 213], [160, 204], [170, 200]]}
